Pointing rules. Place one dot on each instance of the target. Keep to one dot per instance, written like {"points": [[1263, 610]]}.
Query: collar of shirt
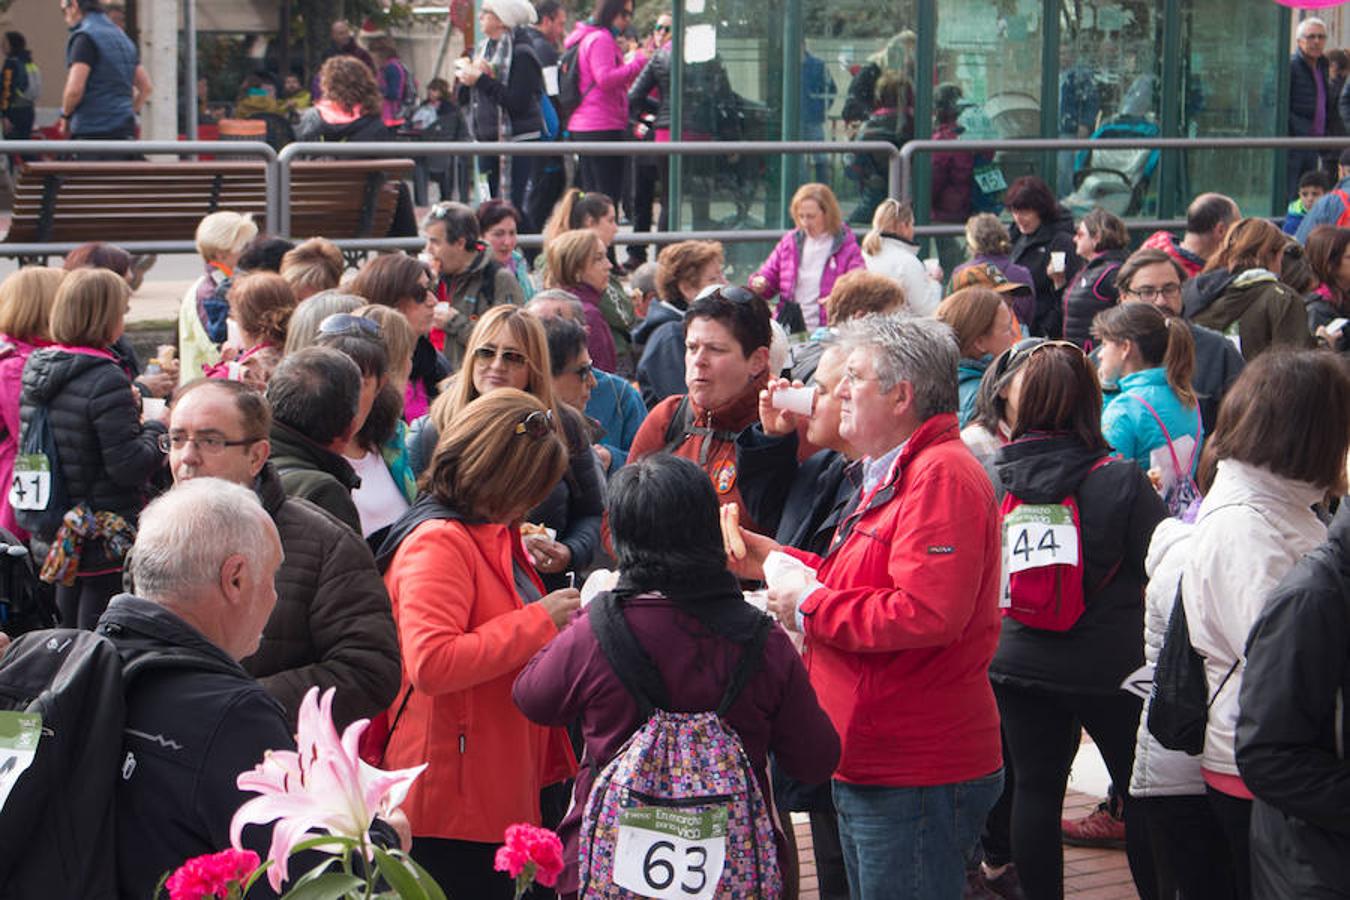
{"points": [[876, 470]]}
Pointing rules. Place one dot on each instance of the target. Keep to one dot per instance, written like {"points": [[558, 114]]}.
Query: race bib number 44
{"points": [[31, 487], [1038, 535], [670, 854]]}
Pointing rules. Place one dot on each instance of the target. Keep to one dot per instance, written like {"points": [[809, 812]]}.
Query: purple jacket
{"points": [[778, 711], [13, 354], [604, 80], [599, 339], [780, 269]]}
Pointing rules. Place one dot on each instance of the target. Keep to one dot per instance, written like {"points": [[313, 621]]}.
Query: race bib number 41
{"points": [[31, 487], [670, 854], [1038, 535]]}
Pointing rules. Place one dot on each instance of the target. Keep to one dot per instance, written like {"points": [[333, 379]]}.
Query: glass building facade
{"points": [[841, 70]]}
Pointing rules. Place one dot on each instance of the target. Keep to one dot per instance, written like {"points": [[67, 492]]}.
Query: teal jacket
{"points": [[1130, 428], [395, 454], [969, 373]]}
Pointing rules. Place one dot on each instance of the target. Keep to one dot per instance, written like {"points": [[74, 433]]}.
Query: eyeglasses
{"points": [[209, 444], [487, 353], [537, 424], [1149, 293], [854, 379], [662, 28], [1314, 37], [346, 323], [582, 372]]}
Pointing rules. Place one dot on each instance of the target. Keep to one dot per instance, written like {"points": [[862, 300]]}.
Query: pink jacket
{"points": [[604, 80], [780, 269], [13, 354]]}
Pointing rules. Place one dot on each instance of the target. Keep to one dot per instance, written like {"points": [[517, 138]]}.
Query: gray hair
{"points": [[187, 533], [303, 329], [916, 349], [644, 276], [576, 311], [1311, 20]]}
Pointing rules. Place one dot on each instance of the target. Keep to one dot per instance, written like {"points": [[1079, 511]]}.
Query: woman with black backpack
{"points": [[1076, 526]]}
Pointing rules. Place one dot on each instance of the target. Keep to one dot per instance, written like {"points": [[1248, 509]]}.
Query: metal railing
{"points": [[415, 149], [81, 149]]}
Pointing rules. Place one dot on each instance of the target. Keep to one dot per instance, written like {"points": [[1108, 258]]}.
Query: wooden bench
{"points": [[79, 201]]}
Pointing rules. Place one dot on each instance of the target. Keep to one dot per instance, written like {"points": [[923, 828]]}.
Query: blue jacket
{"points": [[619, 409], [1326, 211], [105, 108], [660, 371], [1130, 428], [969, 373]]}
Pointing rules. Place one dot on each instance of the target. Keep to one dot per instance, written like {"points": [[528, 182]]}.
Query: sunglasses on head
{"points": [[346, 323], [736, 294], [537, 424]]}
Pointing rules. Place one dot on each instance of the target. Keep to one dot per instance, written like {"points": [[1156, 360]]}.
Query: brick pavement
{"points": [[1088, 874]]}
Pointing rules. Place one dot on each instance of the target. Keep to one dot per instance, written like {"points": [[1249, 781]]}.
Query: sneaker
{"points": [[1100, 828], [1006, 884]]}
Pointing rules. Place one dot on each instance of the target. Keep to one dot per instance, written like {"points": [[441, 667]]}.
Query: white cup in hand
{"points": [[799, 400], [1057, 261]]}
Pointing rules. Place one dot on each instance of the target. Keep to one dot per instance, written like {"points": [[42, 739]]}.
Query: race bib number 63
{"points": [[670, 854]]}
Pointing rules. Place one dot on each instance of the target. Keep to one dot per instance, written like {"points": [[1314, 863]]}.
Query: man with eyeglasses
{"points": [[332, 624], [901, 619], [1152, 276], [1312, 108], [467, 276]]}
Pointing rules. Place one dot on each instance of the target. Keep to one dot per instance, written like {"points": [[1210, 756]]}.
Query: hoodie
{"points": [[1253, 308], [107, 454], [603, 78], [1033, 252], [1118, 510]]}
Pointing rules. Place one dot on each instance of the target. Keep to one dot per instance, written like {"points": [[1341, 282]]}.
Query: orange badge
{"points": [[724, 476]]}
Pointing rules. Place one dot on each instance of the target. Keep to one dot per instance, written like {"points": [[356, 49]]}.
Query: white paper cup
{"points": [[152, 408], [799, 400], [442, 308], [1057, 260]]}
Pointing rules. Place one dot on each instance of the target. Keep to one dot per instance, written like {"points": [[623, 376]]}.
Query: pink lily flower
{"points": [[323, 787]]}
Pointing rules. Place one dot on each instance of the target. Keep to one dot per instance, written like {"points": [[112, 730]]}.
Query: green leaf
{"points": [[400, 878], [429, 884], [331, 886], [325, 840], [314, 873], [257, 873]]}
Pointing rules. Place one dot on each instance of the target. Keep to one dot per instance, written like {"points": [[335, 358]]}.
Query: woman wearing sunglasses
{"points": [[404, 283], [726, 364], [508, 349], [471, 612], [1051, 677]]}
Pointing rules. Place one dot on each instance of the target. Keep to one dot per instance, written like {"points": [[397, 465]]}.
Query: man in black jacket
{"points": [[1292, 725], [1312, 104], [205, 560], [332, 626]]}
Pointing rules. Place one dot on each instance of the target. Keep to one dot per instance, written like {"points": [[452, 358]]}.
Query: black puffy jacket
{"points": [[1092, 290], [1303, 96], [654, 76], [333, 625], [107, 454], [1119, 509], [1292, 727], [518, 97]]}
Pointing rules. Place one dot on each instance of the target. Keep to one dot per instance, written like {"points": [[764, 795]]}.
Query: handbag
{"points": [[1178, 709]]}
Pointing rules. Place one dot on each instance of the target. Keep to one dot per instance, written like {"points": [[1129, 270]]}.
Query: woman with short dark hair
{"points": [[1042, 242], [1101, 240], [470, 613], [499, 222], [686, 613], [404, 283], [1051, 677]]}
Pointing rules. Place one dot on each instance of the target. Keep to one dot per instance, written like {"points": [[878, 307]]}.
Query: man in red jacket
{"points": [[902, 619]]}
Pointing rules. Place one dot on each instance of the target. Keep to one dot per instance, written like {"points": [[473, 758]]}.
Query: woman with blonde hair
{"points": [[508, 348], [808, 260], [312, 267], [889, 249], [25, 306], [576, 262], [1240, 292], [984, 327], [471, 613], [106, 454]]}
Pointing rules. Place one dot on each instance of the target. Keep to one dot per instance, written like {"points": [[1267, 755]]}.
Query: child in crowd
{"points": [[1311, 186]]}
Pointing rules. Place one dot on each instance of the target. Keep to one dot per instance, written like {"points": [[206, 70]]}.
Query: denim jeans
{"points": [[912, 843]]}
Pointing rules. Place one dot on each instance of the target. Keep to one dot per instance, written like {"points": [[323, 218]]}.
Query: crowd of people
{"points": [[444, 446]]}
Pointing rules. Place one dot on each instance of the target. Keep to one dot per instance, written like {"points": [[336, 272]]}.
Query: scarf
{"points": [[498, 54], [79, 525]]}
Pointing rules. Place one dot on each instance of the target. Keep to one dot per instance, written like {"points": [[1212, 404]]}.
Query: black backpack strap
{"points": [[747, 668], [678, 428], [630, 662]]}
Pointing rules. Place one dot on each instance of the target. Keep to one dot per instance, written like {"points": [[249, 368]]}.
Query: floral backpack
{"points": [[678, 812]]}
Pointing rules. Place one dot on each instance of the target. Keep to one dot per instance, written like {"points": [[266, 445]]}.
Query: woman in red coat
{"points": [[471, 612]]}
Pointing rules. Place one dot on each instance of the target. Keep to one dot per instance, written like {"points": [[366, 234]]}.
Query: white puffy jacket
{"points": [[1159, 772], [900, 260], [1253, 526]]}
